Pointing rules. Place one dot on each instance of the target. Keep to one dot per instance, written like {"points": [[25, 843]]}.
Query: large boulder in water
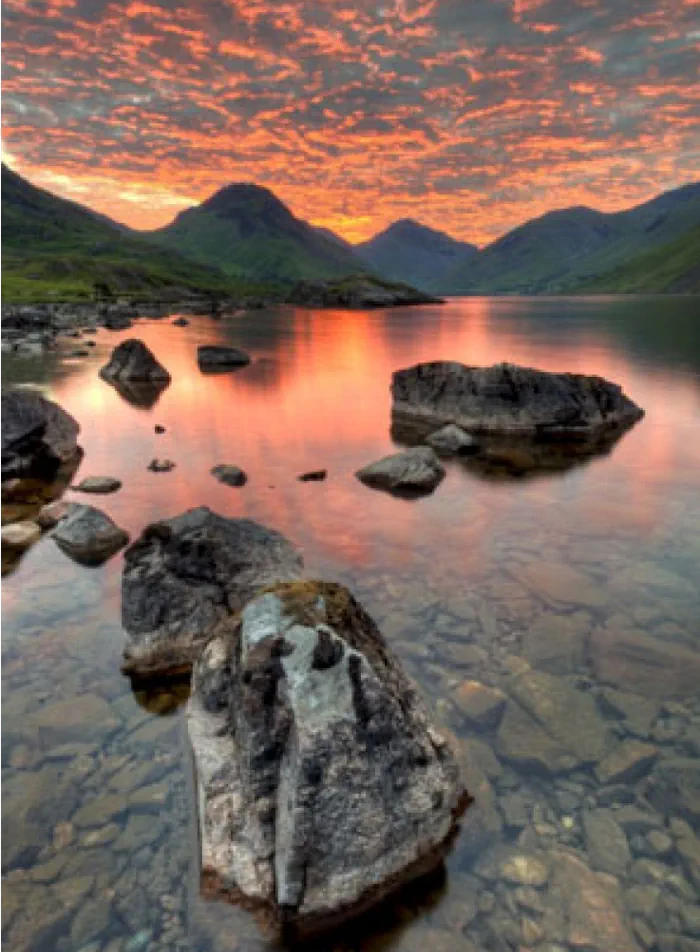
{"points": [[38, 436], [188, 574], [507, 399], [323, 785], [133, 362], [88, 535]]}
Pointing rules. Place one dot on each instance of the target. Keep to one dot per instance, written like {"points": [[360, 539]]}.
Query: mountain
{"points": [[672, 268], [55, 248], [248, 232], [573, 247], [409, 251]]}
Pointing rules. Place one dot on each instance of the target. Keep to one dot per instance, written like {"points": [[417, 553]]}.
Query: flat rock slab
{"points": [[88, 535], [506, 398], [218, 357], [133, 362], [186, 575], [323, 785], [630, 659], [98, 484], [38, 436], [416, 470], [558, 584]]}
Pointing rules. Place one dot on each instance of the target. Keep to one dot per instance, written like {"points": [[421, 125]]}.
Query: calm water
{"points": [[575, 594]]}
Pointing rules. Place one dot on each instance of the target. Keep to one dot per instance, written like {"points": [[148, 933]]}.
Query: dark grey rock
{"points": [[180, 322], [416, 470], [38, 436], [88, 535], [305, 730], [509, 399], [117, 322], [161, 465], [230, 475], [674, 789], [313, 476], [608, 849], [133, 362], [220, 357], [186, 575]]}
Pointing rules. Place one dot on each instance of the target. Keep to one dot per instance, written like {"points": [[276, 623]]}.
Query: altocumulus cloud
{"points": [[470, 115]]}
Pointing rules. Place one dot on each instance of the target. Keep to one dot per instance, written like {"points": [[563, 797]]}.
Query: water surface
{"points": [[580, 587]]}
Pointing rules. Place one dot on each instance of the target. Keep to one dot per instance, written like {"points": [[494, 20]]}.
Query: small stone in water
{"points": [[525, 871], [161, 466]]}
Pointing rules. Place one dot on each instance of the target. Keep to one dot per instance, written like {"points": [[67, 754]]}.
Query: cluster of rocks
{"points": [[362, 291]]}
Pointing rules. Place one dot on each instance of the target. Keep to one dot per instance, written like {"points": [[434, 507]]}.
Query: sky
{"points": [[469, 115]]}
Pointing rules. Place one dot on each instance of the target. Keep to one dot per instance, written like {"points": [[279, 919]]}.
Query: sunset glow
{"points": [[471, 116]]}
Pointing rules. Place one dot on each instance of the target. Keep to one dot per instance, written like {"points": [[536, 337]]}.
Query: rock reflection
{"points": [[142, 395], [500, 458]]}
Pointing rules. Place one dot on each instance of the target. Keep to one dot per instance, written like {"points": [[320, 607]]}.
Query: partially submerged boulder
{"points": [[509, 399], [133, 362], [452, 440], [219, 357], [38, 436], [100, 485], [188, 574], [416, 470], [229, 475], [323, 785], [88, 535]]}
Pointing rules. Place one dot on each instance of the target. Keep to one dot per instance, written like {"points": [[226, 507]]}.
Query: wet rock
{"points": [[83, 718], [32, 917], [481, 705], [634, 661], [99, 811], [98, 484], [20, 536], [161, 466], [452, 440], [219, 357], [550, 724], [674, 789], [555, 643], [230, 475], [627, 762], [132, 361], [306, 731], [158, 428], [89, 921], [509, 399], [101, 837], [507, 862], [50, 514], [180, 322], [658, 843], [117, 322], [667, 942], [646, 576], [38, 436], [185, 576], [559, 584], [608, 850], [88, 535], [313, 476], [638, 712], [585, 909], [414, 470], [517, 809], [634, 820]]}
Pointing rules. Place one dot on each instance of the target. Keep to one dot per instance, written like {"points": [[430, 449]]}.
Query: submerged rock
{"points": [[186, 575], [219, 357], [506, 398], [631, 659], [415, 470], [452, 440], [323, 785], [230, 475], [38, 436], [132, 361], [88, 535]]}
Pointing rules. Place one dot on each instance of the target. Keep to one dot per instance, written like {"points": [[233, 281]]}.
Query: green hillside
{"points": [[672, 268], [54, 249], [564, 249], [248, 233]]}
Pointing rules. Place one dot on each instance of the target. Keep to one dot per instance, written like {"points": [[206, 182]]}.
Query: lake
{"points": [[576, 593]]}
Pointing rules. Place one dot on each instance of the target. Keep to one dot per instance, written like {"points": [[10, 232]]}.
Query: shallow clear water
{"points": [[575, 593]]}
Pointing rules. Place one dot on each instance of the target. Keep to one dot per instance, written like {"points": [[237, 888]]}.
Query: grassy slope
{"points": [[53, 249], [563, 249], [674, 267], [248, 233]]}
